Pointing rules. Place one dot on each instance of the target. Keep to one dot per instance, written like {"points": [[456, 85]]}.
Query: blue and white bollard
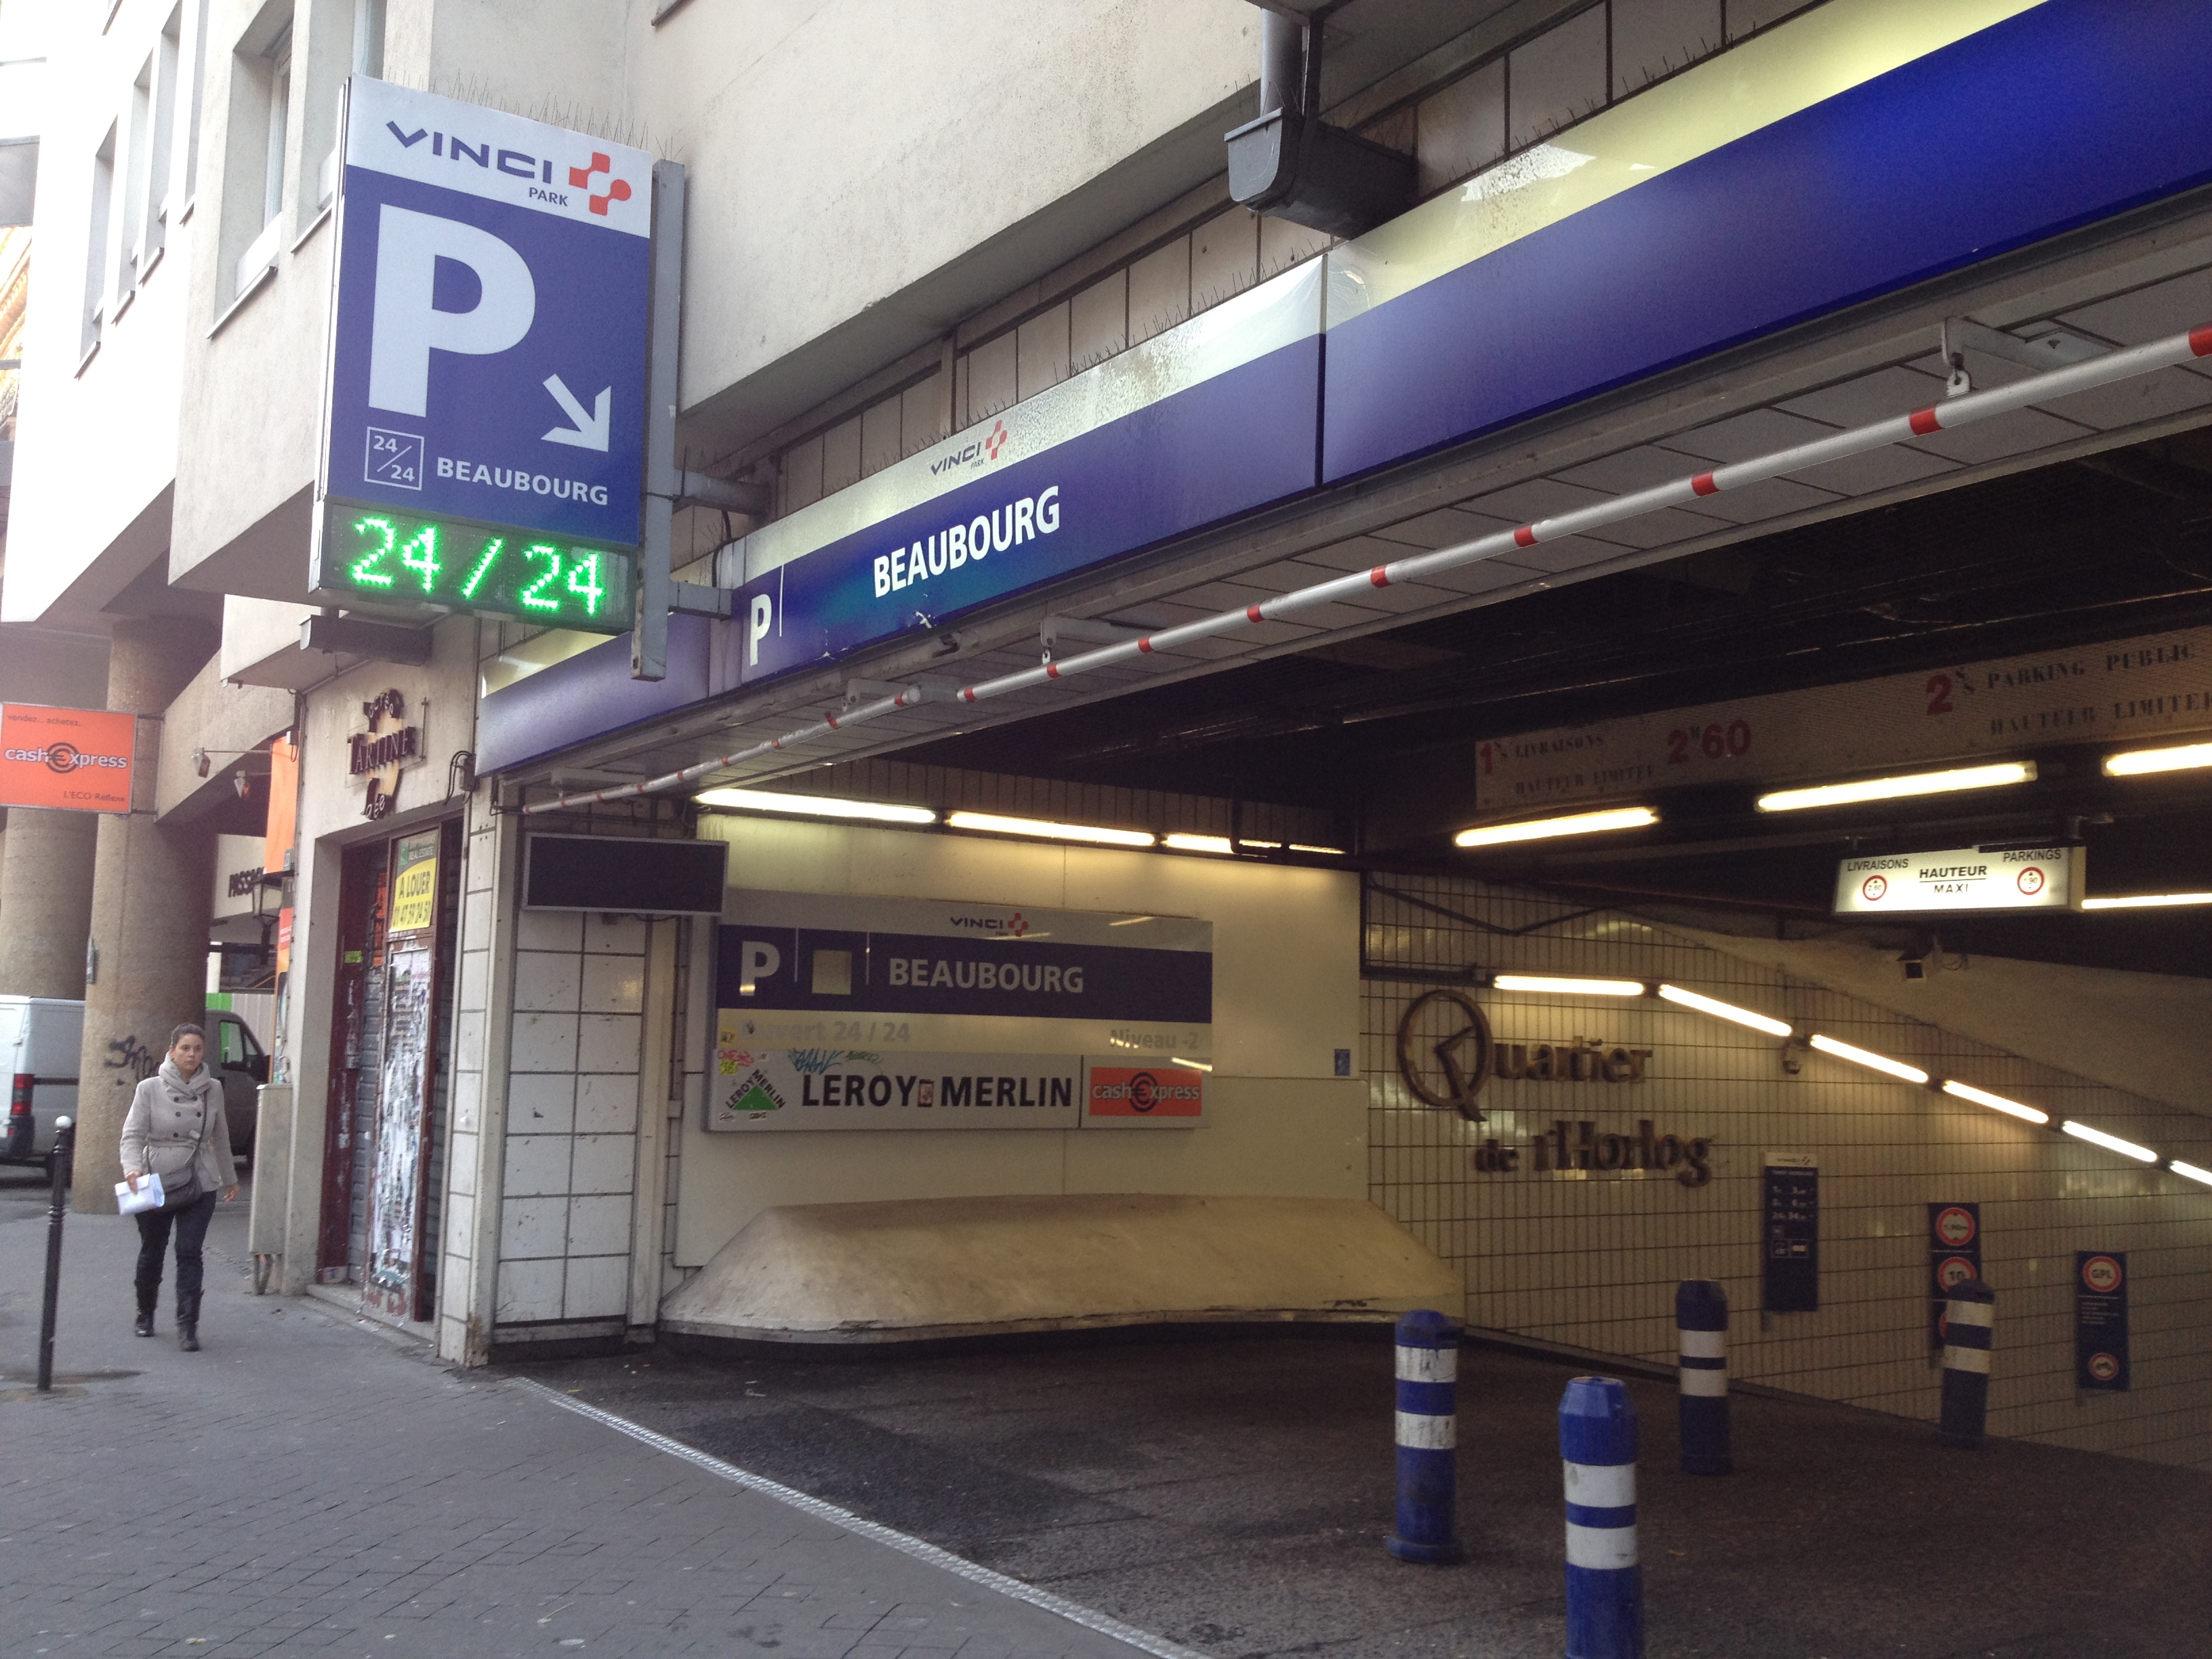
{"points": [[1701, 1316], [1969, 1321], [1605, 1584], [1428, 1438]]}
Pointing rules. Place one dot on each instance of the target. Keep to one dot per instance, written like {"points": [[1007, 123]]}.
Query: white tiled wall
{"points": [[1591, 1261], [571, 1152]]}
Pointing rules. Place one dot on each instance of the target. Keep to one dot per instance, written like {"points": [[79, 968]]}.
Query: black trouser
{"points": [[191, 1225]]}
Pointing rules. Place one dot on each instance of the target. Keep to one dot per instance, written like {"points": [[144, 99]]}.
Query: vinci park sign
{"points": [[483, 441]]}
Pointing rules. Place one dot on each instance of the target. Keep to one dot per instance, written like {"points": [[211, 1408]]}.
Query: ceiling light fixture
{"points": [[2183, 757], [2144, 901], [1326, 852], [1994, 1102], [814, 807], [1868, 1058], [1193, 1065], [1181, 843], [1574, 823], [2109, 1143], [2190, 1169], [1560, 986], [1897, 788], [1728, 1010], [992, 824]]}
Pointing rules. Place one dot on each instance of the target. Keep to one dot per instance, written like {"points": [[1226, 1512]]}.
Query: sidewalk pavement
{"points": [[310, 1485]]}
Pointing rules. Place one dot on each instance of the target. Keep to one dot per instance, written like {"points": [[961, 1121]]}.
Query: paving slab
{"points": [[308, 1484]]}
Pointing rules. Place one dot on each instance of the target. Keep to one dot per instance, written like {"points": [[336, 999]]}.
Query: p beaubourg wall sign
{"points": [[1446, 1052]]}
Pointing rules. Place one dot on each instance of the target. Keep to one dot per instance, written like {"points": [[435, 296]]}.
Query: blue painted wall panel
{"points": [[2069, 113]]}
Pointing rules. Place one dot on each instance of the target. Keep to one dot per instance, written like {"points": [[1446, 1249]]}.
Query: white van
{"points": [[39, 1040]]}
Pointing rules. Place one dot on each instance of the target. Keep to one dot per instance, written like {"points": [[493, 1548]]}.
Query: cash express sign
{"points": [[484, 439]]}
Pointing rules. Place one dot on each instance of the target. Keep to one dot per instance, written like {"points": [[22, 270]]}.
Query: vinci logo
{"points": [[982, 451], [617, 189]]}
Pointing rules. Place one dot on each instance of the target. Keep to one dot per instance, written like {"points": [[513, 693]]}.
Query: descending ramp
{"points": [[919, 1268]]}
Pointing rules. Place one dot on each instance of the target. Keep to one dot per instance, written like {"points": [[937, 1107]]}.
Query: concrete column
{"points": [[45, 901], [152, 900]]}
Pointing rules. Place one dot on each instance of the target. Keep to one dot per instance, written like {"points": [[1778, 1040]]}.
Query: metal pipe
{"points": [[1282, 64], [1945, 416]]}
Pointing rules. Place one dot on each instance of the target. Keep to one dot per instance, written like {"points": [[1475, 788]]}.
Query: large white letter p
{"points": [[408, 327]]}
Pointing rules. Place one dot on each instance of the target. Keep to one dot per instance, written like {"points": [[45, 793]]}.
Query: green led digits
{"points": [[466, 566]]}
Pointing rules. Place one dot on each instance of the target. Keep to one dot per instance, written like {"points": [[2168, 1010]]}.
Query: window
{"points": [[190, 186], [95, 260], [261, 106]]}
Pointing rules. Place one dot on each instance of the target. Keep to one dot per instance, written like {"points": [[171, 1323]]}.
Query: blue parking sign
{"points": [[488, 345]]}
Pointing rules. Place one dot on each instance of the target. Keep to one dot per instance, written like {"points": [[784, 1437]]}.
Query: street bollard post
{"points": [[1969, 1320], [57, 1205], [1428, 1438], [1701, 1317], [1605, 1583]]}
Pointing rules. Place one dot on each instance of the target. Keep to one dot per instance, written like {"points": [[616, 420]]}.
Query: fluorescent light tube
{"points": [[814, 806], [1326, 852], [1868, 1058], [1917, 783], [1994, 1102], [2145, 901], [2134, 763], [1183, 843], [2109, 1143], [992, 824], [1574, 824], [1720, 1010], [1559, 986], [2190, 1169], [1194, 1065]]}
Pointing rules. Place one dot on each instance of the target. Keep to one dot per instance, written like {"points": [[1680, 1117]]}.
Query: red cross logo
{"points": [[617, 189], [997, 441]]}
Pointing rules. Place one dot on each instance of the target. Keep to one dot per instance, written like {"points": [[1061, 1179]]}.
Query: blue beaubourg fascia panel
{"points": [[2070, 112], [2073, 112]]}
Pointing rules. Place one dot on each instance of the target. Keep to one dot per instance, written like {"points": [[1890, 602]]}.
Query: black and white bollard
{"points": [[1428, 1438], [1605, 1584], [1969, 1319], [1701, 1317]]}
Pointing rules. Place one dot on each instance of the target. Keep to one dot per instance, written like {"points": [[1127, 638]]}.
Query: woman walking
{"points": [[175, 1129]]}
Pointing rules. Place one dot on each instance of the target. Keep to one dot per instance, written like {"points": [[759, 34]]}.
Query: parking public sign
{"points": [[484, 437]]}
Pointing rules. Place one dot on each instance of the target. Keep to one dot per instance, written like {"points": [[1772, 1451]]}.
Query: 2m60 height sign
{"points": [[483, 442]]}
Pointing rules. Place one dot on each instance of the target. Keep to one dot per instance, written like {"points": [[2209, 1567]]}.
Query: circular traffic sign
{"points": [[2104, 1367], [1955, 1225], [1873, 888], [1954, 1270], [2031, 881], [2102, 1274]]}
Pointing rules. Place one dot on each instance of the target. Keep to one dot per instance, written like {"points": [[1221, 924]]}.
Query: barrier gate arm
{"points": [[1947, 415]]}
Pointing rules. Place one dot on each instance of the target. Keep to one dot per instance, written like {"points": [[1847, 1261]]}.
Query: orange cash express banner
{"points": [[77, 759]]}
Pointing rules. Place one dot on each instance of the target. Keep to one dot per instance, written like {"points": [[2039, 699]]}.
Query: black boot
{"points": [[188, 1323], [145, 1327], [146, 1299]]}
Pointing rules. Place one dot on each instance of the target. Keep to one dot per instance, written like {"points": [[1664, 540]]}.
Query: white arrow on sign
{"points": [[587, 429]]}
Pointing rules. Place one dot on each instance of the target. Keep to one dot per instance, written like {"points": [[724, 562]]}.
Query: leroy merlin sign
{"points": [[483, 436]]}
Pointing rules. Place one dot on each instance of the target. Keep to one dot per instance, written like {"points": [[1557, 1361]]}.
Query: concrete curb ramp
{"points": [[922, 1268]]}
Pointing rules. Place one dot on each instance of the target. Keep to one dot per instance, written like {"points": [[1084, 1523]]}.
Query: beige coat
{"points": [[169, 1115]]}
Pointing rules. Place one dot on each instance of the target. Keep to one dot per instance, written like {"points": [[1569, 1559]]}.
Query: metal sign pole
{"points": [[648, 640]]}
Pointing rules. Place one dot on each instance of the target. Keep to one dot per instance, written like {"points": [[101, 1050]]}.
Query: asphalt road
{"points": [[1233, 1495]]}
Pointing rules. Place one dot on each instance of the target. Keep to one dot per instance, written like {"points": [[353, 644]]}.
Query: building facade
{"points": [[1026, 423]]}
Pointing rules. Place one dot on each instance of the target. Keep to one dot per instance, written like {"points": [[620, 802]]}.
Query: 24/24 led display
{"points": [[399, 559]]}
